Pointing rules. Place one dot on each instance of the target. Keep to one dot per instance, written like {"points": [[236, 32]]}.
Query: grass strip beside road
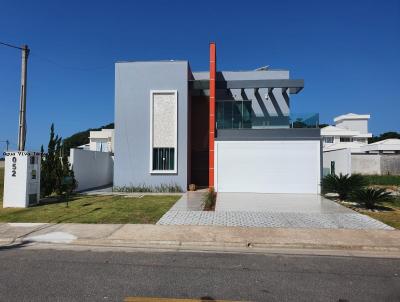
{"points": [[92, 209], [95, 209]]}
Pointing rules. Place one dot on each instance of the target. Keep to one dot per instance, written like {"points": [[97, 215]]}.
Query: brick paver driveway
{"points": [[268, 210]]}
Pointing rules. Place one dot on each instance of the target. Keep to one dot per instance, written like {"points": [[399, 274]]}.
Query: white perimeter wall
{"points": [[366, 164], [342, 159], [91, 168]]}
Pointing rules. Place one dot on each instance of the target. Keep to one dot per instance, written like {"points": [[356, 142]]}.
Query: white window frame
{"points": [[175, 170]]}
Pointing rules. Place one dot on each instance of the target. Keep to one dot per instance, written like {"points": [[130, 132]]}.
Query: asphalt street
{"points": [[53, 275]]}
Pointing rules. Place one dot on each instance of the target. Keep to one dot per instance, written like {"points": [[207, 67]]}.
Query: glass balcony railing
{"points": [[240, 115], [304, 120]]}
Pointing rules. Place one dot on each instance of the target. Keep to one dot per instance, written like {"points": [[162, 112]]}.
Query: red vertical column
{"points": [[212, 114]]}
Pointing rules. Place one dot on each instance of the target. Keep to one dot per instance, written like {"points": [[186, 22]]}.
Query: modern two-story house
{"points": [[231, 130]]}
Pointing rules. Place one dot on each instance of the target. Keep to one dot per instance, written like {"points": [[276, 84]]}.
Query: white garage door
{"points": [[267, 166]]}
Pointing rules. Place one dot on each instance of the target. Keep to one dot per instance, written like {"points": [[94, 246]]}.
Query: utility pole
{"points": [[22, 100]]}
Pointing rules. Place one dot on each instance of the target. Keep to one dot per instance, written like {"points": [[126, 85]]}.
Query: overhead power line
{"points": [[9, 45]]}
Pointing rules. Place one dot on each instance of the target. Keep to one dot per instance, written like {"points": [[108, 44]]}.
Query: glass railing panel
{"points": [[304, 120], [240, 115]]}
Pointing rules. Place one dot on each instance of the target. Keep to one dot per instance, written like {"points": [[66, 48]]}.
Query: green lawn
{"points": [[383, 180], [391, 216], [92, 209]]}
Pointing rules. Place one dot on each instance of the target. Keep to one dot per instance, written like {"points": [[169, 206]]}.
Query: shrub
{"points": [[163, 188], [342, 184], [209, 199], [370, 198]]}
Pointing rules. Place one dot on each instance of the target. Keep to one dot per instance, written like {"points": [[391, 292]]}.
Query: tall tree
{"points": [[56, 173], [48, 177]]}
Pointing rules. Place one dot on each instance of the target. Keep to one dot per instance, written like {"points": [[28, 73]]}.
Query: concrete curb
{"points": [[102, 246], [385, 243]]}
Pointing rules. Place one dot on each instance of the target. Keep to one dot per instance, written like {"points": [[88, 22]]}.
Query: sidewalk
{"points": [[382, 243]]}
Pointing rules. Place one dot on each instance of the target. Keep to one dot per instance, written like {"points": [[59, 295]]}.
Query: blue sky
{"points": [[348, 53]]}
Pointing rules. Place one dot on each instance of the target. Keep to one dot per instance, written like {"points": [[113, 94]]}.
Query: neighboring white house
{"points": [[84, 147], [350, 131], [101, 140], [346, 149], [387, 146]]}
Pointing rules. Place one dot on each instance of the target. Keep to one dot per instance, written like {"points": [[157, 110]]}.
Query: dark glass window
{"points": [[234, 114], [346, 139], [32, 160], [163, 159]]}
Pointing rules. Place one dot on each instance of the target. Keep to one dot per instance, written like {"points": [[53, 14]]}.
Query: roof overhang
{"points": [[352, 116], [293, 86]]}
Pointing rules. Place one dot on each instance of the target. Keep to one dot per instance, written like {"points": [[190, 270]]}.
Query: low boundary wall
{"points": [[380, 164], [342, 159], [92, 168]]}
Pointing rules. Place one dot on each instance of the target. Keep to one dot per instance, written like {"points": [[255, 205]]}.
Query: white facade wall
{"points": [[100, 144], [360, 125], [342, 159], [91, 168]]}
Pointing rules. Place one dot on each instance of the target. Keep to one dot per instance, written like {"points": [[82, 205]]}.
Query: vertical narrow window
{"points": [[163, 131]]}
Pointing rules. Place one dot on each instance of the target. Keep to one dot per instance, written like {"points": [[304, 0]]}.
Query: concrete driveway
{"points": [[277, 203], [269, 210]]}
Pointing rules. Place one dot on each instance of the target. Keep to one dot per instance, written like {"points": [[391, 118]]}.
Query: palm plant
{"points": [[370, 197], [343, 185]]}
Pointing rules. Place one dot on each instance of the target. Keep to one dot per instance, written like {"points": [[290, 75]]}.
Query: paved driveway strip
{"points": [[272, 211], [273, 220]]}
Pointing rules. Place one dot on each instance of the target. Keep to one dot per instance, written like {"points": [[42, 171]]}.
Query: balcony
{"points": [[240, 115]]}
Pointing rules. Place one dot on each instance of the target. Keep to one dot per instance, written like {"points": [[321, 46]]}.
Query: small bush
{"points": [[163, 188], [209, 199], [343, 185], [370, 198]]}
